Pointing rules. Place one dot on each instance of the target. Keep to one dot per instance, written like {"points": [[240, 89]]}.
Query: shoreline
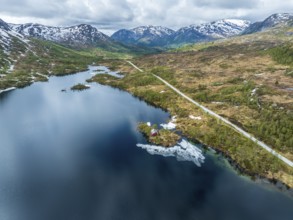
{"points": [[48, 77], [256, 178], [226, 155]]}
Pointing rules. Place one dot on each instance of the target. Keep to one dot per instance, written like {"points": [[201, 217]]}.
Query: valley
{"points": [[241, 71]]}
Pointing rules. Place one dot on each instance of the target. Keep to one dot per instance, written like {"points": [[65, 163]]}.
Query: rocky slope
{"points": [[272, 21], [12, 46]]}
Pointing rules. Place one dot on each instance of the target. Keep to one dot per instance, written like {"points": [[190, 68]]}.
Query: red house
{"points": [[154, 132]]}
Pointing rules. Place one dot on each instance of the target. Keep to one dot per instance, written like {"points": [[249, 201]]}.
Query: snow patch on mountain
{"points": [[158, 31], [222, 28], [150, 35], [8, 37]]}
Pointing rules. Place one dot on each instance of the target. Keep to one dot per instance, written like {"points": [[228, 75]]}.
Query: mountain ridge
{"points": [[220, 29]]}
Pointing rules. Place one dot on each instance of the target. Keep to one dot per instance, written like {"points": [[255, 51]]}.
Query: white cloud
{"points": [[115, 14]]}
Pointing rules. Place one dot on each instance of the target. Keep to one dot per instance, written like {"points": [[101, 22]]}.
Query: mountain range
{"points": [[225, 28], [161, 36], [87, 36]]}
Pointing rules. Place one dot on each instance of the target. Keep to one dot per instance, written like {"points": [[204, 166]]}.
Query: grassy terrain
{"points": [[257, 97], [244, 79], [40, 59], [36, 60]]}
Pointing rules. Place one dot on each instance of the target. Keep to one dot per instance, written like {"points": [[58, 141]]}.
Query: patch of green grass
{"points": [[282, 54], [193, 47], [217, 84], [164, 137], [289, 72]]}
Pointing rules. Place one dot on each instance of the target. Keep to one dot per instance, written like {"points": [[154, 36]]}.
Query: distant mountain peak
{"points": [[221, 28], [270, 22], [238, 22], [155, 30], [210, 31], [281, 16], [278, 18]]}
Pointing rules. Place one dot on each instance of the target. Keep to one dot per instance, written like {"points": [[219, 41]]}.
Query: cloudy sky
{"points": [[110, 15]]}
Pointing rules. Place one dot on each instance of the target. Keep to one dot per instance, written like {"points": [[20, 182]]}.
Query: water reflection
{"points": [[73, 155]]}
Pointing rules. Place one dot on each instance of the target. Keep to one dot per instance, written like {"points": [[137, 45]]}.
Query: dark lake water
{"points": [[73, 155]]}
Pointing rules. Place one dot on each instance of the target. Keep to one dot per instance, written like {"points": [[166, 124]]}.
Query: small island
{"points": [[162, 137], [79, 87]]}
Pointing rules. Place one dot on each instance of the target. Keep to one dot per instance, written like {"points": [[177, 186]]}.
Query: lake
{"points": [[73, 155]]}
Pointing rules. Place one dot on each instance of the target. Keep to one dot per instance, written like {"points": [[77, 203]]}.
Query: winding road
{"points": [[210, 112]]}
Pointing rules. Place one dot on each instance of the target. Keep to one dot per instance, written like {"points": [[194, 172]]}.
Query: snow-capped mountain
{"points": [[210, 31], [81, 35], [223, 28], [157, 31], [272, 21], [161, 36], [88, 36], [145, 35]]}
